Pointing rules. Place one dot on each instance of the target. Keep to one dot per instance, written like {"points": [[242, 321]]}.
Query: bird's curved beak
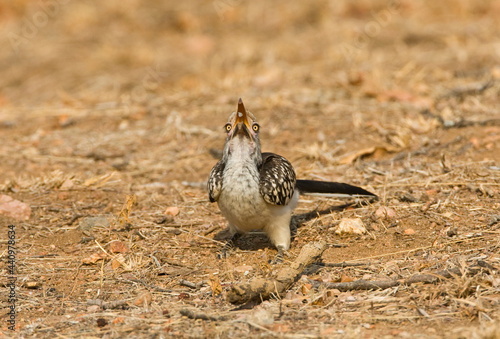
{"points": [[241, 123]]}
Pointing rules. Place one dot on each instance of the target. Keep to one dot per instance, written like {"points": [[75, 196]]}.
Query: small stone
{"points": [[164, 219], [67, 184], [32, 285], [452, 231], [93, 309], [86, 224], [14, 208], [183, 296], [385, 213], [144, 299], [101, 322], [406, 197], [351, 226], [172, 210], [243, 268], [447, 214], [261, 317], [172, 230], [118, 247]]}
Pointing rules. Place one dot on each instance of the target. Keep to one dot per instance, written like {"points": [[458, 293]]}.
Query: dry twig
{"points": [[145, 284], [107, 305], [262, 289], [342, 264], [190, 284], [203, 316], [426, 278]]}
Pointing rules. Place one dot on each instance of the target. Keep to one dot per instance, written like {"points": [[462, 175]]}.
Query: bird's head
{"points": [[242, 134]]}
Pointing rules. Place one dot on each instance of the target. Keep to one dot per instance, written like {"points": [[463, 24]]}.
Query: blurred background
{"points": [[112, 79]]}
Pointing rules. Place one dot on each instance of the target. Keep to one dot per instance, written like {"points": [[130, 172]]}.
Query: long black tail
{"points": [[327, 188]]}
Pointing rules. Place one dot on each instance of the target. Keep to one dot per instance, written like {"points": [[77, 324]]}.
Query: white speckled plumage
{"points": [[243, 205], [252, 193], [259, 191]]}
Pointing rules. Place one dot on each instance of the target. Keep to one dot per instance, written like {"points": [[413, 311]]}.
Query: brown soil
{"points": [[113, 109]]}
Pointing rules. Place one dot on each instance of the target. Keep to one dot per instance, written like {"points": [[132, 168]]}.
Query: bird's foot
{"points": [[228, 246], [224, 252], [294, 225], [278, 259]]}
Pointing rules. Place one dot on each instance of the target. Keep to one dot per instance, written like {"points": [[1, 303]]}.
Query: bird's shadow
{"points": [[254, 241]]}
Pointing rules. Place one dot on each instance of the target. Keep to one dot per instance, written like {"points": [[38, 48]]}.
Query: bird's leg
{"points": [[223, 254], [294, 225], [278, 232]]}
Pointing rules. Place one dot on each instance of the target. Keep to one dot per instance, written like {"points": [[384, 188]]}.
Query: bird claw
{"points": [[278, 259], [223, 254]]}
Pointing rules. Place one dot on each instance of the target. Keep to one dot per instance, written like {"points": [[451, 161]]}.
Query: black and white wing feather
{"points": [[215, 181], [277, 179]]}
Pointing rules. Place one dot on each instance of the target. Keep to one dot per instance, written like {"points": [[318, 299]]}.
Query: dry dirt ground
{"points": [[111, 116]]}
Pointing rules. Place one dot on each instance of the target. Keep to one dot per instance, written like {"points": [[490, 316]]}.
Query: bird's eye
{"points": [[255, 127], [227, 127]]}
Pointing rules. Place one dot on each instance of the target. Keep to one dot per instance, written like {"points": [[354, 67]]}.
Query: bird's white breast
{"points": [[240, 200]]}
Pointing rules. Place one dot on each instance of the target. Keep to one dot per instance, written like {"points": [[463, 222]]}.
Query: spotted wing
{"points": [[215, 181], [277, 179]]}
